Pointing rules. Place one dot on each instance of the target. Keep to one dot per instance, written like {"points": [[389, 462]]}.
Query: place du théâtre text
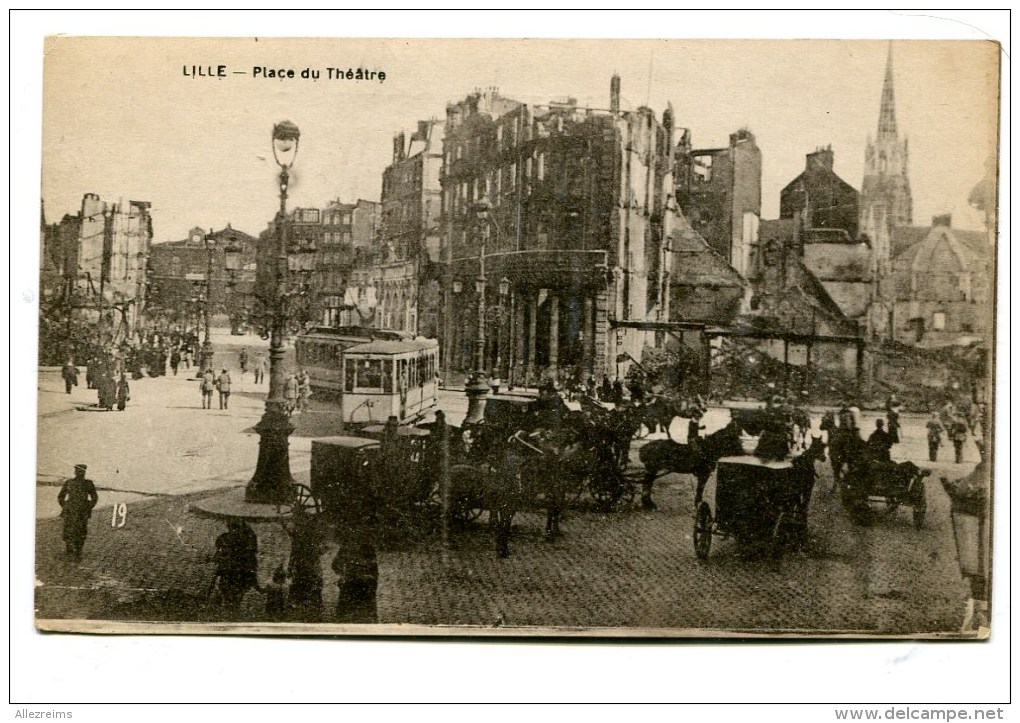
{"points": [[264, 72]]}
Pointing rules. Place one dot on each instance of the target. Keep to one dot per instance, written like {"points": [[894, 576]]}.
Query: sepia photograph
{"points": [[653, 338], [622, 356]]}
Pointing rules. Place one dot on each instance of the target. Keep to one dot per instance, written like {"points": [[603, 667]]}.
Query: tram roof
{"points": [[384, 346]]}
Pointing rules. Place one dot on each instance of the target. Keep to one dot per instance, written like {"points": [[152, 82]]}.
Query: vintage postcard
{"points": [[595, 338]]}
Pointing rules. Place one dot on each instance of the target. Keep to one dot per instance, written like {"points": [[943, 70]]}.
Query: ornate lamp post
{"points": [[205, 354], [272, 482], [482, 213]]}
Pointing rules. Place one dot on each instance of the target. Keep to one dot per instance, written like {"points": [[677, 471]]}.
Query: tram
{"points": [[375, 373]]}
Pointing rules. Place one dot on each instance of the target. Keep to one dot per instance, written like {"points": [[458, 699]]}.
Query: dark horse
{"points": [[528, 471], [665, 455]]}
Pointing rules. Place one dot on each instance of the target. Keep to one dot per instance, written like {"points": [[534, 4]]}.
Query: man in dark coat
{"points": [[123, 392], [107, 390], [236, 562], [880, 443], [77, 498], [70, 374]]}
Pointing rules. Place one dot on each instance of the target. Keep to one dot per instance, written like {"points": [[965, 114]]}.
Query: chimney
{"points": [[821, 159], [423, 130], [398, 146], [614, 94], [945, 219]]}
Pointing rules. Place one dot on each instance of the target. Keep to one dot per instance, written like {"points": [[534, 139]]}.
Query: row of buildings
{"points": [[532, 238]]}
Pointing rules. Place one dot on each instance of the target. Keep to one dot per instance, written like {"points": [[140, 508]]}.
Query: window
{"points": [[540, 172], [938, 321], [387, 378], [370, 374], [350, 375]]}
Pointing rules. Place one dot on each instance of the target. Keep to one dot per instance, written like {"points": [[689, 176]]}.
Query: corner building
{"points": [[556, 220]]}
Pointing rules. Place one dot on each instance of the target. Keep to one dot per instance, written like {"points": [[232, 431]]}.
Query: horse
{"points": [[528, 470], [699, 459]]}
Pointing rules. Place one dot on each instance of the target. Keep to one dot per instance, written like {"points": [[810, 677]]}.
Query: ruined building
{"points": [[556, 220]]}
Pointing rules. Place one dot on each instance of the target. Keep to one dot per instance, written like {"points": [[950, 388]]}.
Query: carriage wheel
{"points": [[920, 507], [464, 493], [702, 531], [302, 497]]}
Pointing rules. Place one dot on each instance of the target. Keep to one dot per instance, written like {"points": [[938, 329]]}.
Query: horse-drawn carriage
{"points": [[861, 478], [761, 503]]}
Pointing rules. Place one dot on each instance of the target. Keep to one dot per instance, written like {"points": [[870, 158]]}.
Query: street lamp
{"points": [[482, 214], [205, 354], [272, 482]]}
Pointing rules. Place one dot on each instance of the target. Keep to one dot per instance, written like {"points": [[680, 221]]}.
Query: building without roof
{"points": [[556, 226]]}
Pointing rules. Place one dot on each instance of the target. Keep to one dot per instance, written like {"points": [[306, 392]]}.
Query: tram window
{"points": [[387, 376], [350, 376], [370, 374], [421, 370]]}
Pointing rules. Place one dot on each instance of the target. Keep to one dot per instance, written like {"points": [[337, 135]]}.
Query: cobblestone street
{"points": [[628, 569]]}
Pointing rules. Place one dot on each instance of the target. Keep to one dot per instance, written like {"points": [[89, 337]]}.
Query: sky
{"points": [[121, 118]]}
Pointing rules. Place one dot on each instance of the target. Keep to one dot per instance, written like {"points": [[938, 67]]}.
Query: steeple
{"points": [[887, 112]]}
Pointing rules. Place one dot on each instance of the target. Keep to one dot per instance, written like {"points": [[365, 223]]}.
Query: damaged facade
{"points": [[556, 221]]}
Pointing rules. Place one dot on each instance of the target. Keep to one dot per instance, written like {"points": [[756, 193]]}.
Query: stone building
{"points": [[719, 190], [101, 255], [943, 281], [556, 220], [830, 202], [178, 270], [407, 277], [342, 234]]}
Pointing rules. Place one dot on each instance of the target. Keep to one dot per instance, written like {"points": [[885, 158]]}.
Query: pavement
{"points": [[627, 569]]}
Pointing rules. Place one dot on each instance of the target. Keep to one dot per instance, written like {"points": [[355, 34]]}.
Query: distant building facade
{"points": [[943, 281], [556, 220], [341, 235], [178, 270]]}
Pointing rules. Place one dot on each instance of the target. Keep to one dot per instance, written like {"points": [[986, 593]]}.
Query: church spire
{"points": [[887, 113]]}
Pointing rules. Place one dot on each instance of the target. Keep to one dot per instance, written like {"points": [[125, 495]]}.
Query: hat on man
{"points": [[80, 467]]}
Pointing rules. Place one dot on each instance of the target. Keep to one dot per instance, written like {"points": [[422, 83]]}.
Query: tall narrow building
{"points": [[885, 200]]}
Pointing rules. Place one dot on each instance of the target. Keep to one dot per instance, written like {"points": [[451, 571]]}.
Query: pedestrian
{"points": [[208, 383], [77, 498], [70, 374], [934, 437], [495, 382], [606, 390], [186, 356], [90, 372], [617, 396], [958, 435], [223, 385], [305, 567], [893, 417], [304, 390], [123, 392], [175, 360], [260, 368], [242, 360], [880, 443], [236, 563], [276, 596], [290, 393]]}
